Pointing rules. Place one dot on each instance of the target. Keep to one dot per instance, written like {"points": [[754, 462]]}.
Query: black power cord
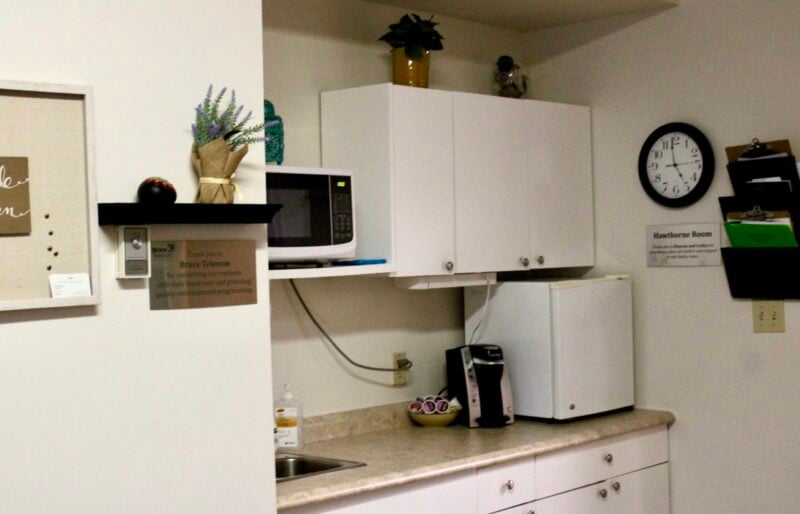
{"points": [[405, 364]]}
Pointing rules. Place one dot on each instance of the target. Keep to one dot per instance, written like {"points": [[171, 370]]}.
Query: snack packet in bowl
{"points": [[434, 405]]}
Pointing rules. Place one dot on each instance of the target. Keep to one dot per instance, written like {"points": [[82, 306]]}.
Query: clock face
{"points": [[676, 165]]}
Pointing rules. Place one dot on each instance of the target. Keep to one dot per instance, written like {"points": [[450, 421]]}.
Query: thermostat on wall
{"points": [[133, 252]]}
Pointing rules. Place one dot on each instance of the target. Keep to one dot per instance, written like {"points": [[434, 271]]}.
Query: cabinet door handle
{"points": [[524, 261], [510, 485], [449, 265], [608, 458], [616, 486], [603, 493], [540, 259]]}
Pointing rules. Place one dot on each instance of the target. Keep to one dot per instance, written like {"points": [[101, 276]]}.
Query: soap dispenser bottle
{"points": [[288, 422]]}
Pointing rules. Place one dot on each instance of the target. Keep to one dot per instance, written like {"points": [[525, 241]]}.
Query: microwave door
{"points": [[305, 218]]}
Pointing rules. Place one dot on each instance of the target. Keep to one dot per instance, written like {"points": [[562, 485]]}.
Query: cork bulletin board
{"points": [[48, 213]]}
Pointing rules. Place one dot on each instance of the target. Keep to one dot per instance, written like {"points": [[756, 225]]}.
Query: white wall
{"points": [[312, 46], [119, 408], [728, 67], [317, 45]]}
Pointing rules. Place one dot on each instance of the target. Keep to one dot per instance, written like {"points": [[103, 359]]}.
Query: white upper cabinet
{"points": [[558, 158], [422, 184], [491, 184], [463, 183]]}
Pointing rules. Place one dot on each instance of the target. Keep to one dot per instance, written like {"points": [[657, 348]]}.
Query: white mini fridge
{"points": [[568, 344]]}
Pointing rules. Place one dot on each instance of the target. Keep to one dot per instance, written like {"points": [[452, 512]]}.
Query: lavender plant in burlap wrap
{"points": [[216, 165], [220, 144]]}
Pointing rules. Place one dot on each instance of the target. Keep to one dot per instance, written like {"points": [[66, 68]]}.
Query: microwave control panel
{"points": [[341, 209]]}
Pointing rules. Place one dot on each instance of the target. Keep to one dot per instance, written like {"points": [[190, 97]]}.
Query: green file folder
{"points": [[760, 235]]}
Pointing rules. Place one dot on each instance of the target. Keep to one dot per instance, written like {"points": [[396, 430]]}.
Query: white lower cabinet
{"points": [[626, 474], [454, 493], [571, 468], [503, 485], [642, 492]]}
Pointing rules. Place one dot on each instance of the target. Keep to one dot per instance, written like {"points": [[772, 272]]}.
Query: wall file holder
{"points": [[763, 273], [749, 177]]}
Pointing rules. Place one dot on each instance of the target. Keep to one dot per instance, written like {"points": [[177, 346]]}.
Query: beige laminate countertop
{"points": [[407, 454]]}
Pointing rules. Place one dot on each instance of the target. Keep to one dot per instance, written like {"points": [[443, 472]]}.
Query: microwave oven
{"points": [[316, 221]]}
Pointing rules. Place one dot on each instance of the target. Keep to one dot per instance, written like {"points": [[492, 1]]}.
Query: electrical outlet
{"points": [[768, 316], [399, 378]]}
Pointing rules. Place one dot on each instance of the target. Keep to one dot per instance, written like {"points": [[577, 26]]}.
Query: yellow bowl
{"points": [[433, 420]]}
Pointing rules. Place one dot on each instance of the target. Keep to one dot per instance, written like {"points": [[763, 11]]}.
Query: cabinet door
{"points": [[490, 183], [641, 492], [559, 160], [527, 508], [591, 499], [423, 190]]}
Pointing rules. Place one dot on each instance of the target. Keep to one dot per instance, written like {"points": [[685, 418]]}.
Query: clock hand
{"points": [[681, 175], [674, 162], [675, 165]]}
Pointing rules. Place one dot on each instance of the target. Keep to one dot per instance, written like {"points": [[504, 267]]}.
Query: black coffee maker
{"points": [[478, 377]]}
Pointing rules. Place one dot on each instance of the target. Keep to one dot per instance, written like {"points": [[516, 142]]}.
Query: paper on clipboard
{"points": [[757, 228]]}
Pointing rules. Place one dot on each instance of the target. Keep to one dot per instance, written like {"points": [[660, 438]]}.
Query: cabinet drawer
{"points": [[575, 467], [505, 485], [641, 492]]}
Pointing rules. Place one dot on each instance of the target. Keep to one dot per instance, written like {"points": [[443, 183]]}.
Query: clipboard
{"points": [[775, 176], [733, 153], [757, 227]]}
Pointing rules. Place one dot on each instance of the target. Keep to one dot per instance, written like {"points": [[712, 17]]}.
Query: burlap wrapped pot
{"points": [[216, 165]]}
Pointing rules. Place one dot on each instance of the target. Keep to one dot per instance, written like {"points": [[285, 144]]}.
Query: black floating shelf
{"points": [[184, 213]]}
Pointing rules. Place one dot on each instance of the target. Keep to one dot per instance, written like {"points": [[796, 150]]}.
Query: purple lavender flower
{"points": [[212, 121]]}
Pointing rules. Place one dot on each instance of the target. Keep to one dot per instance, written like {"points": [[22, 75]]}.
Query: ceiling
{"points": [[525, 15]]}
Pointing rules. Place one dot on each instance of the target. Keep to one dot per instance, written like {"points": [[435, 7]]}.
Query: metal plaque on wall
{"points": [[192, 274], [696, 244]]}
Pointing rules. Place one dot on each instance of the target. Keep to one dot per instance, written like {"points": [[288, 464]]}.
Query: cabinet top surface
{"points": [[524, 15], [439, 452]]}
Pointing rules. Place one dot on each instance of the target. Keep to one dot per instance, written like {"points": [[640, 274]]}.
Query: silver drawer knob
{"points": [[449, 265], [616, 486], [540, 259], [524, 261], [603, 493], [608, 458], [510, 485]]}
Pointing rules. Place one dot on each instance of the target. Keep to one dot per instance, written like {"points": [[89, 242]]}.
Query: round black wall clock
{"points": [[676, 165]]}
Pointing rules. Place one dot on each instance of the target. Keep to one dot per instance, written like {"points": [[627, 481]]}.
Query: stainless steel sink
{"points": [[289, 466]]}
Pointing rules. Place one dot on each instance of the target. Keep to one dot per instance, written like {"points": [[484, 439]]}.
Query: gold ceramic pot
{"points": [[410, 72]]}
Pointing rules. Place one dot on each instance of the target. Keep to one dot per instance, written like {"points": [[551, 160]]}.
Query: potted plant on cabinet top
{"points": [[412, 40], [220, 144]]}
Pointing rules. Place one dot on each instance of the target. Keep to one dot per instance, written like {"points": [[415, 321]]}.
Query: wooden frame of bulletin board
{"points": [[48, 210]]}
